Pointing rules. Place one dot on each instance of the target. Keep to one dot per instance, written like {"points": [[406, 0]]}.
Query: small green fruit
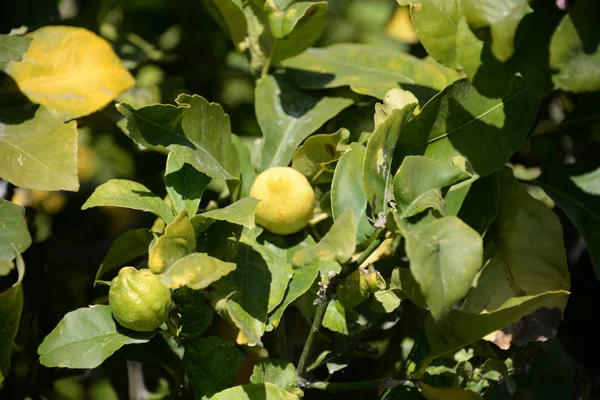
{"points": [[139, 300], [286, 199]]}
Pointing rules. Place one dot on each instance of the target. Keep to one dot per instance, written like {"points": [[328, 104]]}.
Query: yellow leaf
{"points": [[70, 70], [432, 393]]}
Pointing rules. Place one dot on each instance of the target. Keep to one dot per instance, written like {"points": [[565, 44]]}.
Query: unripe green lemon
{"points": [[286, 199], [139, 300]]}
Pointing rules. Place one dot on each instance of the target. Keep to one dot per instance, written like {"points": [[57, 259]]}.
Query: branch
{"points": [[373, 384]]}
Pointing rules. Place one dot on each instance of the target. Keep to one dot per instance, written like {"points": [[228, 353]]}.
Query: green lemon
{"points": [[139, 300], [286, 199]]}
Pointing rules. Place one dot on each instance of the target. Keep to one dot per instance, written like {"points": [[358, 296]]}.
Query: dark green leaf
{"points": [[14, 236], [278, 372], [583, 209], [229, 14], [254, 391], [211, 364], [196, 271], [574, 51], [11, 305], [287, 116], [128, 194], [479, 206], [348, 191], [197, 131], [84, 338], [368, 70], [380, 152], [247, 171], [125, 248], [178, 240], [196, 314], [40, 153], [185, 185], [461, 122], [313, 156]]}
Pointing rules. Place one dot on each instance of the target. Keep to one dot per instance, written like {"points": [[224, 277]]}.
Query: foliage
{"points": [[434, 137]]}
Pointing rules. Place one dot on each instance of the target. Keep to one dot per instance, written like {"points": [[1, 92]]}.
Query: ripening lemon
{"points": [[286, 199]]}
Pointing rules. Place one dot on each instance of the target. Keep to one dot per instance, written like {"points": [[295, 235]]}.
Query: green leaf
{"points": [[417, 177], [12, 48], [403, 280], [359, 286], [385, 301], [125, 248], [379, 155], [240, 213], [461, 122], [197, 131], [196, 271], [178, 240], [313, 156], [278, 372], [491, 77], [526, 256], [286, 246], [184, 184], [40, 153], [84, 338], [337, 245], [436, 22], [14, 236], [574, 52], [348, 191], [479, 207], [588, 182], [296, 28], [11, 306], [229, 14], [368, 70], [335, 318], [243, 296], [287, 116], [211, 364], [247, 170], [444, 258], [254, 391], [196, 314], [583, 209], [450, 393], [128, 194]]}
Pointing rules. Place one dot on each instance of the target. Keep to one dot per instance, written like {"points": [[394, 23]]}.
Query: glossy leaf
{"points": [[252, 391], [380, 152], [461, 122], [11, 306], [40, 153], [288, 115], [240, 213], [178, 240], [14, 236], [368, 70], [84, 338], [526, 257], [127, 247], [337, 245], [436, 22], [418, 176], [71, 71], [196, 314], [184, 184], [196, 271], [348, 190], [128, 194], [574, 53], [247, 170], [197, 131], [583, 209], [335, 318], [444, 258], [479, 206], [385, 301], [229, 14], [12, 48], [276, 371], [313, 156], [211, 364]]}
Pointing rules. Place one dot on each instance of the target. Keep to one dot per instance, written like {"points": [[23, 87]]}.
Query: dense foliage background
{"points": [[174, 47]]}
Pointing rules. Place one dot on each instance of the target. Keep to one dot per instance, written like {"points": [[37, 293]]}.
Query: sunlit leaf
{"points": [[252, 391], [84, 338], [335, 318], [240, 213], [450, 393], [229, 14], [315, 153], [196, 271], [14, 236], [184, 184], [178, 240], [12, 48], [278, 372], [70, 70], [40, 153]]}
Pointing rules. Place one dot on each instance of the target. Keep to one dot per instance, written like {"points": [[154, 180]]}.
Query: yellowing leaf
{"points": [[70, 70]]}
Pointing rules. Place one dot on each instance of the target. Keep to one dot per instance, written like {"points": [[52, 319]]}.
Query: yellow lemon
{"points": [[286, 199]]}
